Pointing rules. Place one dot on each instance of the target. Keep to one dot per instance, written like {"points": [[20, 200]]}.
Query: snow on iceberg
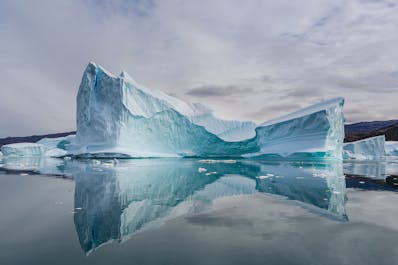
{"points": [[391, 148], [118, 117], [365, 149], [23, 149]]}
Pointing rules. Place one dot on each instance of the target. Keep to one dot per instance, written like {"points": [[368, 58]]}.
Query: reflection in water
{"points": [[372, 169], [116, 199]]}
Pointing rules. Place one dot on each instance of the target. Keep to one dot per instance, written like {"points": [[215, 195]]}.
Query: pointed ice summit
{"points": [[116, 117]]}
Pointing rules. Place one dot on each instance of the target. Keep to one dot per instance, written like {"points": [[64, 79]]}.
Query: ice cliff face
{"points": [[366, 149], [116, 116]]}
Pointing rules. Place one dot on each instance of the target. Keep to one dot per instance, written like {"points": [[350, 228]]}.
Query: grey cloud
{"points": [[275, 55], [218, 91]]}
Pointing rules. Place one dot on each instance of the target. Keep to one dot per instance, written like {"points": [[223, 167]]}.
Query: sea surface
{"points": [[198, 211]]}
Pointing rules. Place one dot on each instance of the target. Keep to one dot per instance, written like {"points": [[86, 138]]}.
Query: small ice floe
{"points": [[336, 192], [115, 161], [229, 161], [67, 158], [1, 165], [23, 174], [362, 182], [319, 175], [325, 199], [264, 177], [95, 162], [299, 177], [278, 177], [59, 203], [202, 169], [211, 173], [270, 175], [213, 161], [78, 208], [108, 164]]}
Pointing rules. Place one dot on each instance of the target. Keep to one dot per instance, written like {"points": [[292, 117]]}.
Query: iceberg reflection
{"points": [[115, 199], [115, 202]]}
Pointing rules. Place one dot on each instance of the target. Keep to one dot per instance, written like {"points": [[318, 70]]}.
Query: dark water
{"points": [[190, 211]]}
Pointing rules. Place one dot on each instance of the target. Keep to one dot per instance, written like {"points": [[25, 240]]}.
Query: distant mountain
{"points": [[361, 130], [31, 139], [353, 132]]}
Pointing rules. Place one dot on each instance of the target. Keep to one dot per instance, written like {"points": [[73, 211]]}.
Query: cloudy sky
{"points": [[244, 59]]}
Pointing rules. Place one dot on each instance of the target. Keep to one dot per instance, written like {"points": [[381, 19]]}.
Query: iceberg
{"points": [[56, 147], [365, 149], [391, 148], [23, 149], [116, 117], [47, 147]]}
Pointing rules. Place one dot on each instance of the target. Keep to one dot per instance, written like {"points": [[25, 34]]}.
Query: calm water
{"points": [[191, 211]]}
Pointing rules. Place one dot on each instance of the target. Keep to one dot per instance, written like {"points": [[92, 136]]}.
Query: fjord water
{"points": [[192, 211]]}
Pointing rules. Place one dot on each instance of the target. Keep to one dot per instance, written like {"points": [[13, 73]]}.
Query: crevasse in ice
{"points": [[118, 117], [366, 149]]}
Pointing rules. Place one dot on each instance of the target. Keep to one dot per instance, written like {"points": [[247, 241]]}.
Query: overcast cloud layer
{"points": [[244, 59]]}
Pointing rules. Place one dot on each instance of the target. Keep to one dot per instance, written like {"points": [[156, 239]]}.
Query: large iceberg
{"points": [[118, 117], [365, 149]]}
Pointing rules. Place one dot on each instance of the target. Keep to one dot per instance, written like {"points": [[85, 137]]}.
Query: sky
{"points": [[247, 60]]}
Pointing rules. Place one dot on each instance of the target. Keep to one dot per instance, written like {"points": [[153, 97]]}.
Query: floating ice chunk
{"points": [[23, 149], [201, 169], [366, 149], [391, 148]]}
